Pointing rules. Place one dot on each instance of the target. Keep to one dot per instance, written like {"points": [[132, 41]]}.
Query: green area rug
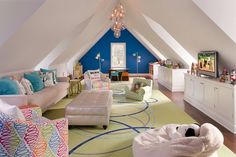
{"points": [[127, 119]]}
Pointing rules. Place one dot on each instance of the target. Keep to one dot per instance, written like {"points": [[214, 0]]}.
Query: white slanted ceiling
{"points": [[188, 25], [43, 33], [47, 27], [13, 13]]}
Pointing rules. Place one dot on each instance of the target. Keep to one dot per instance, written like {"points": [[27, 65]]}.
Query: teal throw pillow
{"points": [[8, 87], [35, 80], [54, 71]]}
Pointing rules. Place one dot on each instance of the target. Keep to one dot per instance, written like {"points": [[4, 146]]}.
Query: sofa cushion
{"points": [[8, 87], [44, 97], [62, 86], [35, 80], [47, 96], [100, 84]]}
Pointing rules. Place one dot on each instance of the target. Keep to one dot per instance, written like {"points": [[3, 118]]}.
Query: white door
{"points": [[224, 104]]}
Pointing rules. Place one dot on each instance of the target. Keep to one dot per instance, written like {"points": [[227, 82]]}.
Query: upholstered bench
{"points": [[90, 108]]}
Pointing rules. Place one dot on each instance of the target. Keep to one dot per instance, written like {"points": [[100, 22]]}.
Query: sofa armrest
{"points": [[17, 100], [63, 79], [105, 78], [147, 89], [88, 84], [127, 89]]}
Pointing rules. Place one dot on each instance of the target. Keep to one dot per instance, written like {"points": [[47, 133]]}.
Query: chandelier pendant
{"points": [[117, 17]]}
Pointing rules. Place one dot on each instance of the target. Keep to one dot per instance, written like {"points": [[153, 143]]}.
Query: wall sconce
{"points": [[138, 60], [100, 60]]}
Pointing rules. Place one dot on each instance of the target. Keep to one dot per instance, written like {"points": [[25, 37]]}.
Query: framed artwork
{"points": [[118, 55]]}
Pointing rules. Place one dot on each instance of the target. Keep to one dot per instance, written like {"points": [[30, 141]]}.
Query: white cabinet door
{"points": [[225, 104], [160, 73], [209, 95], [189, 87], [168, 76], [199, 90]]}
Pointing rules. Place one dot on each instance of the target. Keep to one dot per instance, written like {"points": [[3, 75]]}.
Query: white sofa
{"points": [[44, 98]]}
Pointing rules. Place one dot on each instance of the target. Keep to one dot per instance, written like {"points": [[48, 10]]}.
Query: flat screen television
{"points": [[208, 63]]}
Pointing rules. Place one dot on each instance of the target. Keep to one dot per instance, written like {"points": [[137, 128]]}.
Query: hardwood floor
{"points": [[178, 98]]}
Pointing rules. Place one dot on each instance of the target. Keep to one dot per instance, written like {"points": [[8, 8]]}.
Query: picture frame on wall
{"points": [[118, 55]]}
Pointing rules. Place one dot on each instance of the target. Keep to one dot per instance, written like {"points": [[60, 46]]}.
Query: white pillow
{"points": [[20, 88], [11, 110], [47, 79], [94, 74], [28, 86]]}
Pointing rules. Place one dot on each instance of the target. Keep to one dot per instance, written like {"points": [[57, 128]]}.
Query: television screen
{"points": [[206, 62]]}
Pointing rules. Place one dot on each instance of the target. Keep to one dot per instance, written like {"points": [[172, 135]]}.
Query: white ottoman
{"points": [[90, 108]]}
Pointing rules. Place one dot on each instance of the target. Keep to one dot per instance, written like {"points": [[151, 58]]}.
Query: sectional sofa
{"points": [[43, 98]]}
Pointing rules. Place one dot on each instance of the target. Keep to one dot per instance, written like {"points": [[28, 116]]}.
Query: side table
{"points": [[75, 87]]}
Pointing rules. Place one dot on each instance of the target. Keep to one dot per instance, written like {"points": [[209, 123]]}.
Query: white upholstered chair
{"points": [[94, 79], [144, 93]]}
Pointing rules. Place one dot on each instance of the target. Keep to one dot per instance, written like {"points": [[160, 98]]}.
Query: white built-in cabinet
{"points": [[215, 99], [172, 79]]}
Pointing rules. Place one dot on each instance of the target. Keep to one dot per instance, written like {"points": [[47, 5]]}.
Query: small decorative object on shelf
{"points": [[193, 69], [169, 63], [223, 76], [77, 71], [233, 77]]}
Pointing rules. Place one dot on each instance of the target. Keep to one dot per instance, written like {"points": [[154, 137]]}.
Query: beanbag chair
{"points": [[159, 143]]}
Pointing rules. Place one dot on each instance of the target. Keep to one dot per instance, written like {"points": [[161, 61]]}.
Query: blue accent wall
{"points": [[104, 47]]}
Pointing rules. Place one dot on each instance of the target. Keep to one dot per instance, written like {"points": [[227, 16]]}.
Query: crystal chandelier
{"points": [[117, 17]]}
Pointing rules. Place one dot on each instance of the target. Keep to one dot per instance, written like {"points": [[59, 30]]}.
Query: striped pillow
{"points": [[28, 86], [20, 87]]}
